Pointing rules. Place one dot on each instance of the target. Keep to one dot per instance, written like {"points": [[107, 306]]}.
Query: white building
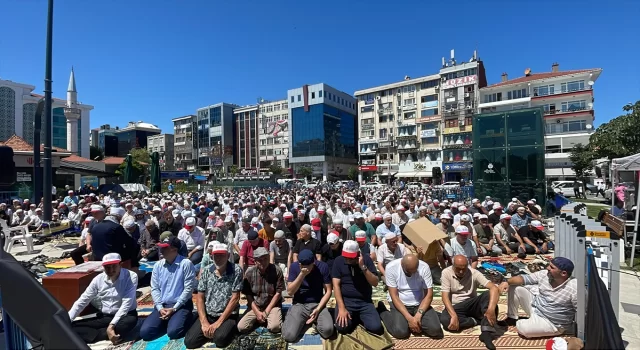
{"points": [[163, 144], [184, 129], [274, 134], [399, 128], [71, 119], [567, 100]]}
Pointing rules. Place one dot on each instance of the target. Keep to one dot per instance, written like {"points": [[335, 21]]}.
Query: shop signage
{"points": [[453, 83], [174, 174], [431, 118], [456, 129], [367, 126], [249, 171], [368, 168], [489, 169], [456, 166], [430, 104], [428, 133], [419, 166], [22, 176]]}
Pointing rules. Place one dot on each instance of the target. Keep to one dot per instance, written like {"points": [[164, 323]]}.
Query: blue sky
{"points": [[157, 60]]}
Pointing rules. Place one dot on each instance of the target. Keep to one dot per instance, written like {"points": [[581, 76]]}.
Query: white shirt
{"points": [[410, 289], [111, 298], [193, 240], [385, 255]]}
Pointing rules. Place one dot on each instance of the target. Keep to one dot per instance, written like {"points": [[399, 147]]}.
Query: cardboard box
{"points": [[422, 232]]}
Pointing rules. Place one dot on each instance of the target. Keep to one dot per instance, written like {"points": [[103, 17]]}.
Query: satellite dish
{"points": [[591, 82], [589, 126], [527, 71], [590, 105]]}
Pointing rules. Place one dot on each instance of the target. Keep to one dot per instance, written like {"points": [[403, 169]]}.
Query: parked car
{"points": [[566, 187], [414, 185], [448, 185], [310, 184]]}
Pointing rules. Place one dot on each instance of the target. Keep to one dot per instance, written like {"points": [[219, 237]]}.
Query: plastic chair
{"points": [[16, 234]]}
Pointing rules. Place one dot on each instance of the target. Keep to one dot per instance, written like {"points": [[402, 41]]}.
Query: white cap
{"points": [[361, 235], [218, 248], [537, 224], [117, 211], [386, 216], [332, 238], [186, 214], [190, 222], [390, 235], [465, 217], [476, 215], [96, 207], [462, 208], [350, 249], [445, 216], [175, 213], [287, 215], [129, 223], [462, 230], [505, 216], [357, 215], [227, 219], [400, 207], [279, 234], [111, 259], [157, 209], [337, 222], [483, 216]]}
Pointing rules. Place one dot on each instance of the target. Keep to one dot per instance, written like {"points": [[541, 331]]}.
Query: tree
{"points": [[275, 169], [352, 174], [582, 158], [95, 153], [619, 137], [141, 161], [305, 172], [141, 155], [234, 170]]}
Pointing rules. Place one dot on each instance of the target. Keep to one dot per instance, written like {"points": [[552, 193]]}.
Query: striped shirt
{"points": [[558, 305]]}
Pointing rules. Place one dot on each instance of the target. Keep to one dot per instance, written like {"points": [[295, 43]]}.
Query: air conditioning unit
{"points": [[469, 107], [378, 97], [466, 94], [399, 94], [437, 128], [437, 87]]}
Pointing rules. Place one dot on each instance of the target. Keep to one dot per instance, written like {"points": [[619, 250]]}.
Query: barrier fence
{"points": [[578, 236]]}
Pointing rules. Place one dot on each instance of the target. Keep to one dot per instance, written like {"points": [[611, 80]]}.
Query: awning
{"points": [[415, 174], [199, 178], [73, 168], [559, 172]]}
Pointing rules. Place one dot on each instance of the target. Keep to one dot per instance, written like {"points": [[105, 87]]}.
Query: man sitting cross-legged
{"points": [[410, 294], [218, 296], [463, 307]]}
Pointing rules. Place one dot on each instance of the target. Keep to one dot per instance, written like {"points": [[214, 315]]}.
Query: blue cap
{"points": [[563, 264], [252, 235], [306, 257]]}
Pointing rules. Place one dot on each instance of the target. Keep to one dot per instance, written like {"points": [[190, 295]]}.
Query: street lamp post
{"points": [[48, 173]]}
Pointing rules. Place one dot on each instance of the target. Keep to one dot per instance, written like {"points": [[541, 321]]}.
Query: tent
{"points": [[629, 163]]}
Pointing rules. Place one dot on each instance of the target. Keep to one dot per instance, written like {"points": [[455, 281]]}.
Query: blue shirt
{"points": [[353, 284], [172, 284], [312, 288]]}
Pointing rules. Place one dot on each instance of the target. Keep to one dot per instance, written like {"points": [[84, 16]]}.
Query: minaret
{"points": [[72, 113]]}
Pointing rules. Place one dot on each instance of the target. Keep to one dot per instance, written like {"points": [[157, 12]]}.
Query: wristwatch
{"points": [[363, 268], [420, 311]]}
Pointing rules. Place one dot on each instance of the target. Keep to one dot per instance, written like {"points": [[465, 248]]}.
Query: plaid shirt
{"points": [[262, 287], [557, 305]]}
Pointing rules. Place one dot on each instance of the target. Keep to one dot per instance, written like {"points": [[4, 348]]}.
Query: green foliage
{"points": [[140, 155], [305, 172], [275, 169], [582, 158], [95, 153], [352, 174], [233, 170], [141, 161], [619, 137]]}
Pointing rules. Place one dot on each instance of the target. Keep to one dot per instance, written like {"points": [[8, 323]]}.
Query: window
{"points": [[263, 152], [410, 88], [573, 106], [549, 108], [410, 115], [451, 93], [543, 90], [520, 93], [495, 97], [269, 108], [429, 98], [566, 126], [285, 116], [366, 109], [382, 119], [429, 112], [468, 121], [383, 134], [320, 93], [286, 105], [313, 95], [299, 98], [292, 99], [409, 102], [451, 123], [572, 86], [430, 84]]}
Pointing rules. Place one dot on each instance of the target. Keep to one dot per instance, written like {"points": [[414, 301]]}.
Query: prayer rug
{"points": [[106, 345], [62, 264]]}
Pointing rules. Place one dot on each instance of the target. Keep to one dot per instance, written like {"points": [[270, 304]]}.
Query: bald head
{"points": [[460, 261], [410, 264]]}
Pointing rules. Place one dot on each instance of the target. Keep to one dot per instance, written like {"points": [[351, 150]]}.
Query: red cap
{"points": [[315, 223]]}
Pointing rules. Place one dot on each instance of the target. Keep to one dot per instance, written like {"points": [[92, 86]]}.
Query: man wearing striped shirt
{"points": [[549, 298]]}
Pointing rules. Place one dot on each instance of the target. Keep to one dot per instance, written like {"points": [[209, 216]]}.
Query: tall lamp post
{"points": [[48, 174]]}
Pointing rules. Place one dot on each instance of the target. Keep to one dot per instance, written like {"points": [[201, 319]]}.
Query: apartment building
{"points": [[399, 129], [246, 139], [459, 98], [164, 145], [273, 134], [183, 147], [214, 134], [567, 100]]}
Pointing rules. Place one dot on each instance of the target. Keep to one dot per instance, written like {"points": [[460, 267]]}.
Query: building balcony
{"points": [[368, 126], [368, 148], [513, 101], [385, 111], [456, 129], [457, 156], [368, 161], [570, 110], [407, 145], [409, 107], [457, 141], [562, 94]]}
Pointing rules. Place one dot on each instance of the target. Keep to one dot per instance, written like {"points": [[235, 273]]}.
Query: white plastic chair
{"points": [[16, 234]]}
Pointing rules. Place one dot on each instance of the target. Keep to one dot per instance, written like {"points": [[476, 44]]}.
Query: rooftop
{"points": [[547, 75], [398, 84], [18, 144]]}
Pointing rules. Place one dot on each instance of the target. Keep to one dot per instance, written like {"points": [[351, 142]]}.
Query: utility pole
{"points": [[48, 173]]}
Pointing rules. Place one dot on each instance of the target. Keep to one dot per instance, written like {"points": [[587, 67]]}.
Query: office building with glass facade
{"points": [[214, 128], [508, 155], [567, 99], [323, 131]]}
